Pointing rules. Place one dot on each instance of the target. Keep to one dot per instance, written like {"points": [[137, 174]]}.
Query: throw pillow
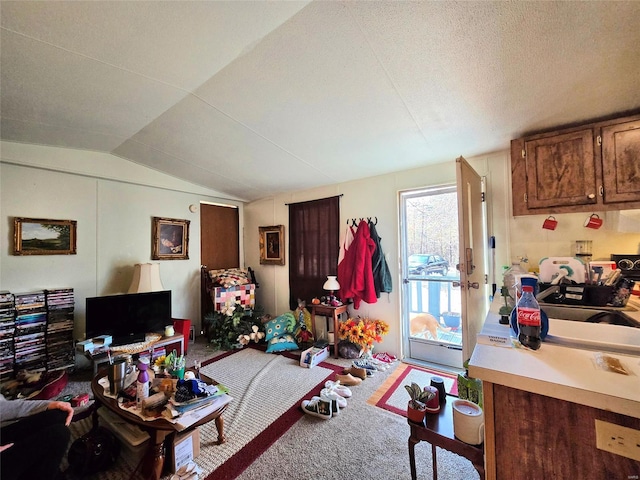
{"points": [[279, 326], [282, 343], [229, 277]]}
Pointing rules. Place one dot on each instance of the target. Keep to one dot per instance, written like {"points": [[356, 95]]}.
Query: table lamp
{"points": [[332, 285], [146, 278]]}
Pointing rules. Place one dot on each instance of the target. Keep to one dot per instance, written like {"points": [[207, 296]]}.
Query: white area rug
{"points": [[263, 387]]}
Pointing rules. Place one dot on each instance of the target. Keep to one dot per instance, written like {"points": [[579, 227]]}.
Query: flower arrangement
{"points": [[363, 332], [171, 361], [233, 327]]}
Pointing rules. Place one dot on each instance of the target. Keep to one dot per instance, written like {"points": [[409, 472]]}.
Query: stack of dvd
{"points": [[7, 330], [60, 306], [31, 325]]}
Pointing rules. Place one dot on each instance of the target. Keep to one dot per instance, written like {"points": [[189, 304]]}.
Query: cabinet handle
{"points": [[601, 190], [592, 195]]}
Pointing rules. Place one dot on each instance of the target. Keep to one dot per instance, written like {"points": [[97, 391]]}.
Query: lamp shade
{"points": [[331, 283], [146, 278]]}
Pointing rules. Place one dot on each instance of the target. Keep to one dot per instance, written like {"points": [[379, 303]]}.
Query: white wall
{"points": [[378, 196], [113, 201]]}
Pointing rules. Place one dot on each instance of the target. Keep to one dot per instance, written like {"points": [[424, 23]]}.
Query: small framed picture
{"points": [[272, 245], [170, 239], [38, 236]]}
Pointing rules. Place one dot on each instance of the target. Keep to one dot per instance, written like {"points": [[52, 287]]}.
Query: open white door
{"points": [[473, 246]]}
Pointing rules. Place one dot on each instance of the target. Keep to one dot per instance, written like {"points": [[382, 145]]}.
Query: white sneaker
{"points": [[317, 407], [337, 402], [341, 390]]}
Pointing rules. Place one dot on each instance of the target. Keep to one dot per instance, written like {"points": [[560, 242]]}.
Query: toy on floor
{"points": [[303, 329]]}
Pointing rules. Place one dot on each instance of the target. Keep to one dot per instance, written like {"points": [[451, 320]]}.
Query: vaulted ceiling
{"points": [[252, 99]]}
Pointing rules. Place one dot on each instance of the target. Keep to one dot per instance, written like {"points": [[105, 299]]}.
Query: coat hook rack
{"points": [[355, 221]]}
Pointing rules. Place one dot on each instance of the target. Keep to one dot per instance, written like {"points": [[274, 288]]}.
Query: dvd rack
{"points": [[60, 348], [31, 325], [7, 331]]}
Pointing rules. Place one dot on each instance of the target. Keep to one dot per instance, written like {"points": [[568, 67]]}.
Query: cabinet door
{"points": [[561, 170], [621, 162]]}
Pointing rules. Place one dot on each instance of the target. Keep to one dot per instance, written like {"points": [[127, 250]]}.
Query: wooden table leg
{"points": [[220, 427], [154, 460], [335, 334], [434, 462], [313, 324], [412, 456]]}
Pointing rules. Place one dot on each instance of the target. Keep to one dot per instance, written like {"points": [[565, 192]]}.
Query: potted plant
{"points": [[417, 406]]}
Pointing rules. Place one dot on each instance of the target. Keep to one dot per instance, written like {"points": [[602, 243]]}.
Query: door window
{"points": [[430, 249]]}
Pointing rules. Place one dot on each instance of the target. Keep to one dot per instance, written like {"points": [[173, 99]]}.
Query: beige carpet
{"points": [[263, 387]]}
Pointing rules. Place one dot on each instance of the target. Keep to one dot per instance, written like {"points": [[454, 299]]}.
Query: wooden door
{"points": [[219, 243], [472, 264], [219, 236], [561, 170], [621, 162]]}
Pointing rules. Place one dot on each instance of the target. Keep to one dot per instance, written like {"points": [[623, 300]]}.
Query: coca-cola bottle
{"points": [[528, 315]]}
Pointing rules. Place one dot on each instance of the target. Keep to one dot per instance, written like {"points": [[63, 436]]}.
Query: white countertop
{"points": [[558, 371]]}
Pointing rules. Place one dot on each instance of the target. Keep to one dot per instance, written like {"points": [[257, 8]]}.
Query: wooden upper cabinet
{"points": [[561, 170], [579, 169], [621, 162]]}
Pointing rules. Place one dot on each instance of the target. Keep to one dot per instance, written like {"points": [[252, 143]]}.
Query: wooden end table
{"points": [[329, 312], [158, 430], [438, 431]]}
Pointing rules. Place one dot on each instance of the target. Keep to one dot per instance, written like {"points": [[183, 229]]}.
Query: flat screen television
{"points": [[129, 317]]}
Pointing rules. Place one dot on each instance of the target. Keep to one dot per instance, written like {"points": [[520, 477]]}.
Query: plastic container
{"points": [[142, 389], [510, 280], [529, 319]]}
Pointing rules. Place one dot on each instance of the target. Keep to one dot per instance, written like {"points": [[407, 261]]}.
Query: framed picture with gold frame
{"points": [[170, 239], [39, 236], [272, 245]]}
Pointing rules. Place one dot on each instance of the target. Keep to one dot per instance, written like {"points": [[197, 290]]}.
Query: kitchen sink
{"points": [[594, 328], [590, 314]]}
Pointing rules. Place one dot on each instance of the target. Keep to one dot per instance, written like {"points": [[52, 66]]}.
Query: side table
{"points": [[329, 312], [438, 431]]}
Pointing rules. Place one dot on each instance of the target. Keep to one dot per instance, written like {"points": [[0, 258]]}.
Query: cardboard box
{"points": [[102, 340], [313, 356], [185, 447], [85, 346]]}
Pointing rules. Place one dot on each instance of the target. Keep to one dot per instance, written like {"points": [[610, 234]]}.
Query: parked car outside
{"points": [[427, 264]]}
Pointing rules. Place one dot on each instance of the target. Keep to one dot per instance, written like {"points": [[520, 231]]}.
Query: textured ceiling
{"points": [[254, 99]]}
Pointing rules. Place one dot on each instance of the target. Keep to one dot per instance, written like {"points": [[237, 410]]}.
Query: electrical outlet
{"points": [[617, 439]]}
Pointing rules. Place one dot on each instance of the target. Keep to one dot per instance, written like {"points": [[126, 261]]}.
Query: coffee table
{"points": [[158, 430]]}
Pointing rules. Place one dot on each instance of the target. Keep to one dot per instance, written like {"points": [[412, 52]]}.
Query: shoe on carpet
{"points": [[348, 379], [385, 357], [341, 390], [337, 402], [366, 364], [318, 407], [356, 372]]}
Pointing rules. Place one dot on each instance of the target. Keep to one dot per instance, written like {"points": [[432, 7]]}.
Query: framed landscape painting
{"points": [[170, 239], [272, 245], [39, 236]]}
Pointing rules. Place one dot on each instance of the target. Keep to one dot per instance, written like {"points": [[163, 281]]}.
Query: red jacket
{"points": [[355, 273]]}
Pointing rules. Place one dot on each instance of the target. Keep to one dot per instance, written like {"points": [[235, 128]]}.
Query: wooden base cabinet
{"points": [[580, 169], [533, 436]]}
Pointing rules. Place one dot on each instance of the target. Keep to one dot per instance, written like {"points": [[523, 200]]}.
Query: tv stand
{"points": [[175, 342]]}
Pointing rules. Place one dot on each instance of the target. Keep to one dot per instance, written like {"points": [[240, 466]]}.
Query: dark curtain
{"points": [[314, 242]]}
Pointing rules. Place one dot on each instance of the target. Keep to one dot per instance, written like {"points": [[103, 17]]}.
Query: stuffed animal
{"points": [[256, 335], [303, 328]]}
